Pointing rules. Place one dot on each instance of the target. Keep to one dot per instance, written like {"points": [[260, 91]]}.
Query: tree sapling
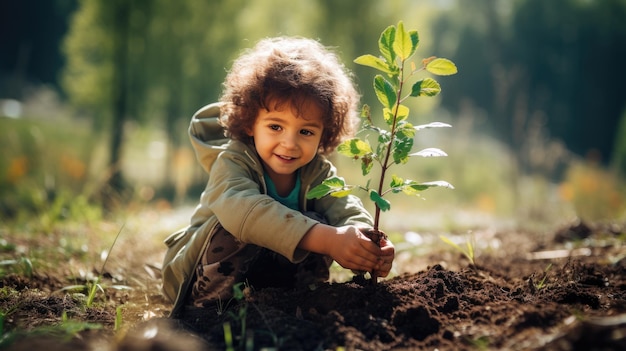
{"points": [[395, 141]]}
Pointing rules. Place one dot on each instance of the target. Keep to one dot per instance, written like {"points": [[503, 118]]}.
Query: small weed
{"points": [[94, 286], [245, 339], [22, 266], [542, 282], [3, 317], [242, 313], [228, 337], [480, 343], [469, 252], [64, 331], [118, 318]]}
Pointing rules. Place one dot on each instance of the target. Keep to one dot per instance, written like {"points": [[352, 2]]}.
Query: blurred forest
{"points": [[96, 96]]}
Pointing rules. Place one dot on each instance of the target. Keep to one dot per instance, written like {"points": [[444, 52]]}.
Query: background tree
{"points": [[31, 32], [552, 64], [103, 76]]}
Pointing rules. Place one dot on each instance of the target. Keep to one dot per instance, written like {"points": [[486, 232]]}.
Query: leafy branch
{"points": [[394, 142]]}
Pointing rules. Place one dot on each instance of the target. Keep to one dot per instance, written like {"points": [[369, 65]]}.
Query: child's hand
{"points": [[386, 258], [352, 249]]}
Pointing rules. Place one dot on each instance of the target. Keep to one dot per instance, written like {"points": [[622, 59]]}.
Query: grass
{"points": [[468, 251], [64, 331], [542, 283], [64, 266]]}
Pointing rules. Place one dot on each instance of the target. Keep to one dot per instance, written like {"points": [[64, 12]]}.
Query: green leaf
{"points": [[396, 181], [405, 130], [451, 243], [405, 43], [401, 115], [385, 92], [441, 67], [374, 62], [365, 111], [328, 186], [384, 136], [354, 148], [426, 87], [383, 204], [401, 149], [388, 116], [335, 182], [401, 185], [430, 152], [342, 193], [385, 44], [432, 125], [411, 187], [438, 183]]}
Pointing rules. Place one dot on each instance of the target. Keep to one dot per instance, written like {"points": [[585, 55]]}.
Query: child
{"points": [[286, 103]]}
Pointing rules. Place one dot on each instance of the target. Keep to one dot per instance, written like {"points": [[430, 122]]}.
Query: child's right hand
{"points": [[349, 247], [352, 249]]}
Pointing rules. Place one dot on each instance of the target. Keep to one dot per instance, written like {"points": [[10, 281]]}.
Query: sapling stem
{"points": [[385, 166], [396, 46]]}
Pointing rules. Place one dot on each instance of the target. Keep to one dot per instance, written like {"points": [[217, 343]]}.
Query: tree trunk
{"points": [[117, 186]]}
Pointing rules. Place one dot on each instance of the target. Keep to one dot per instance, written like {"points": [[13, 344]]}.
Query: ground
{"points": [[560, 290]]}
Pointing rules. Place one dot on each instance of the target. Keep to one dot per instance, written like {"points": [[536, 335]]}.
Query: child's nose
{"points": [[289, 140]]}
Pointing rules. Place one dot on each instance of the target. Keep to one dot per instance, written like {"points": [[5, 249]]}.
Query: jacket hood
{"points": [[207, 135]]}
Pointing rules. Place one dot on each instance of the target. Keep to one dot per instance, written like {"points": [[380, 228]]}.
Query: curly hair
{"points": [[292, 70]]}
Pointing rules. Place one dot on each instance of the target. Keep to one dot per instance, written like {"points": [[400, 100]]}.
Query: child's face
{"points": [[284, 141]]}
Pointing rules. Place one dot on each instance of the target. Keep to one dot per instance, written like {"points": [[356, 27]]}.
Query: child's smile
{"points": [[285, 142]]}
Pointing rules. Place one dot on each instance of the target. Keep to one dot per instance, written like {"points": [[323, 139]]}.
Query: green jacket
{"points": [[235, 197]]}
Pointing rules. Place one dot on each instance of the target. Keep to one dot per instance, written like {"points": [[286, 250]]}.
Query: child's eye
{"points": [[274, 127], [306, 132]]}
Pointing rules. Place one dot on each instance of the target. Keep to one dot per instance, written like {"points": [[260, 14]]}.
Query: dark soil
{"points": [[535, 293], [438, 309]]}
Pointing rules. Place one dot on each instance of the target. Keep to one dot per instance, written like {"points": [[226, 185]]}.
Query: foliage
{"points": [[178, 51], [158, 61], [530, 59], [44, 171], [595, 194], [395, 142]]}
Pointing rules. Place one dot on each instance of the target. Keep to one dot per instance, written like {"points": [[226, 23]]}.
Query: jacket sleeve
{"points": [[234, 195]]}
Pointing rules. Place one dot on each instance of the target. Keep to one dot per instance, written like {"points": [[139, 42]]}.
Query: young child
{"points": [[286, 103]]}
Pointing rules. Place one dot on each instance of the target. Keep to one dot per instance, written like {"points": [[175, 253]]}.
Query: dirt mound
{"points": [[436, 308]]}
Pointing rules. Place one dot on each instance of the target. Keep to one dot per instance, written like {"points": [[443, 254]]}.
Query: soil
{"points": [[564, 290]]}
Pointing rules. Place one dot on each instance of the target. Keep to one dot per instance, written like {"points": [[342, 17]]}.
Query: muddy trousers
{"points": [[226, 262]]}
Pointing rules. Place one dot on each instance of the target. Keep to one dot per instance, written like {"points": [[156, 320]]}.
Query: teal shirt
{"points": [[290, 200]]}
